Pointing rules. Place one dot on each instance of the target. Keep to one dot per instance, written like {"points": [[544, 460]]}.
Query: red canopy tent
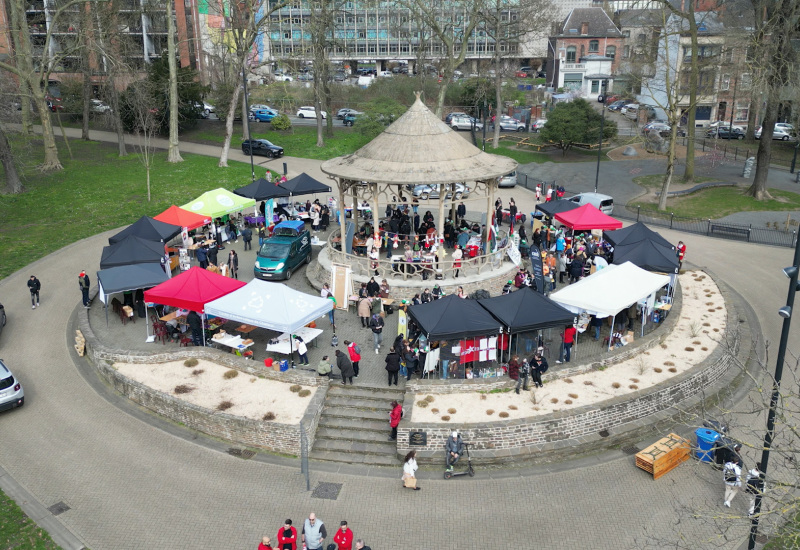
{"points": [[178, 216], [192, 289], [587, 217]]}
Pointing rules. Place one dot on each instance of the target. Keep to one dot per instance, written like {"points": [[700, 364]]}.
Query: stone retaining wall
{"points": [[273, 436]]}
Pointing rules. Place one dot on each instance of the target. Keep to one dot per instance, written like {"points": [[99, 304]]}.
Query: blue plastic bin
{"points": [[705, 443], [284, 365]]}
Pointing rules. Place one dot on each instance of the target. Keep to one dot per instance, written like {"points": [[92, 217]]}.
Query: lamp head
{"points": [[790, 271], [785, 312]]}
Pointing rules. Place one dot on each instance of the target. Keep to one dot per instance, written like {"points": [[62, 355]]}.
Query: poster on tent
{"points": [[269, 211], [185, 238], [341, 285], [536, 266]]}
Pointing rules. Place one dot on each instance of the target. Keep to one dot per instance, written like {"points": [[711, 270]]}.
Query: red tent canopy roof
{"points": [[192, 289], [178, 216], [587, 217]]}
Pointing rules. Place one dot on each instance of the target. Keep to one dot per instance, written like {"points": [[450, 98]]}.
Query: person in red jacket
{"points": [[355, 355], [344, 537], [264, 544], [287, 536], [569, 338], [681, 254], [394, 419]]}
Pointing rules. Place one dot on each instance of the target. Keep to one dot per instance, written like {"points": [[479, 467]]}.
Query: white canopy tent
{"points": [[610, 290], [270, 305]]}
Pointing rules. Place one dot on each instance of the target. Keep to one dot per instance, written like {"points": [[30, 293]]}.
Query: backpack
{"points": [[357, 349], [729, 474]]}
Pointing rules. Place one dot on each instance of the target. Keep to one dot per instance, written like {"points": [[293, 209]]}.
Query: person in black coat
{"points": [[211, 253], [575, 270], [538, 368], [202, 256], [196, 324], [393, 365], [247, 235], [412, 362], [345, 366], [461, 211], [373, 288]]}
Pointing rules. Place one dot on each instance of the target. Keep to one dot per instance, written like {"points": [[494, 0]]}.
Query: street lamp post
{"points": [[246, 117], [786, 313], [603, 87]]}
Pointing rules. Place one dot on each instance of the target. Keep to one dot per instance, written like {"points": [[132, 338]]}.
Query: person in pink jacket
{"points": [[344, 537], [287, 536], [355, 355]]}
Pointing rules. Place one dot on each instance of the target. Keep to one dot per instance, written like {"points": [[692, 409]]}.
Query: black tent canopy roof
{"points": [[552, 208], [526, 310], [132, 250], [453, 318], [648, 255], [305, 185], [262, 190], [130, 277], [634, 234], [149, 229]]}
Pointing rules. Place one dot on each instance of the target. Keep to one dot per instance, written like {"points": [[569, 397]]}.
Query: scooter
{"points": [[470, 471]]}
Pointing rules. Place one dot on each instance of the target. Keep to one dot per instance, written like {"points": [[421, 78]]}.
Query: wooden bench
{"points": [[730, 230], [664, 455]]}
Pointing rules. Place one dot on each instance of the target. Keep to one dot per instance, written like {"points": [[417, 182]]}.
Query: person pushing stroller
{"points": [[454, 449]]}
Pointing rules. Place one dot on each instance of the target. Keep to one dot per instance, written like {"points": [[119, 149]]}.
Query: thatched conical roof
{"points": [[419, 148]]}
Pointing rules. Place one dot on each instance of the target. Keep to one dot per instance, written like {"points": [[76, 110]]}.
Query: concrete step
{"points": [[355, 424], [352, 402], [353, 434], [357, 414], [384, 447], [366, 392], [355, 458]]}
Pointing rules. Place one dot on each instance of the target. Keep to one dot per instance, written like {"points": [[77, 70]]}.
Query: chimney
{"points": [[584, 29]]}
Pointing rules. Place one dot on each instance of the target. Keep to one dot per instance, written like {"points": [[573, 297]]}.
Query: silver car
{"points": [[425, 192], [509, 180], [11, 393], [465, 123], [511, 125]]}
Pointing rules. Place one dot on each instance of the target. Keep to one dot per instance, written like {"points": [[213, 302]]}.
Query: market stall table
{"points": [[245, 329], [285, 347], [236, 343]]}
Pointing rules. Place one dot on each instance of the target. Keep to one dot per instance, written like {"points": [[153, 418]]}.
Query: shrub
{"points": [[689, 348], [434, 410], [422, 403], [706, 324], [658, 369], [304, 393], [281, 122], [616, 385], [512, 407], [696, 342], [669, 364], [452, 411], [503, 414], [429, 399], [483, 397], [588, 383], [295, 388], [232, 373], [197, 372], [190, 362], [568, 401], [554, 400], [568, 380], [633, 387], [672, 369], [573, 395], [446, 418], [704, 348], [490, 412], [716, 330], [635, 380], [224, 405], [663, 346], [269, 416], [183, 388]]}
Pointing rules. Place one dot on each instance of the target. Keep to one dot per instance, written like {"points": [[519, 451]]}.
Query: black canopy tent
{"points": [[132, 250], [550, 209], [262, 190], [633, 234], [453, 318], [648, 255], [149, 229], [128, 278], [304, 185]]}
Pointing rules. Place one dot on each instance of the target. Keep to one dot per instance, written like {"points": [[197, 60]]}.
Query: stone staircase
{"points": [[354, 426]]}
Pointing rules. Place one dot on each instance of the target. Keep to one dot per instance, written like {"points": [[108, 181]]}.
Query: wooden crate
{"points": [[664, 455], [80, 343]]}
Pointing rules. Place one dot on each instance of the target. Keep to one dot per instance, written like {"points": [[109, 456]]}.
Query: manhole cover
{"points": [[603, 433], [629, 450], [58, 508], [329, 491], [241, 453], [761, 539]]}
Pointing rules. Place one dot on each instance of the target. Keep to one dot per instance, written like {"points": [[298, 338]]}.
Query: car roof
{"points": [[599, 196]]}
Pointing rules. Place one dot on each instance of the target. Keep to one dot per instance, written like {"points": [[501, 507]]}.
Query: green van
{"points": [[284, 252]]}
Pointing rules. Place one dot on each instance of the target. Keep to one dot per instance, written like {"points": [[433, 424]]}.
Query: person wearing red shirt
{"points": [[569, 338], [344, 537], [681, 253], [287, 536], [394, 419], [355, 355], [264, 544]]}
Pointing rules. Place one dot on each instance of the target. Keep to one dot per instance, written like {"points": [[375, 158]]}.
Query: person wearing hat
{"points": [[507, 287], [287, 536], [83, 284], [437, 292], [454, 448], [344, 537]]}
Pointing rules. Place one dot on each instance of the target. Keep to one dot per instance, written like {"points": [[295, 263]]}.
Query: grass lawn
{"points": [[657, 180], [95, 192], [18, 531], [720, 201]]}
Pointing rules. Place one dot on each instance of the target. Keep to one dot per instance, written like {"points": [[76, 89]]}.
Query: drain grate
{"points": [[328, 491], [603, 433], [629, 450], [58, 508], [761, 539], [244, 454]]}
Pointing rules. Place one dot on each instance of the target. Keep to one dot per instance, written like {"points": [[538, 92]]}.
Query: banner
{"points": [[269, 212], [514, 254], [536, 267]]}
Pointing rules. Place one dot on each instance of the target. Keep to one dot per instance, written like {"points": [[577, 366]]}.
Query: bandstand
{"points": [[420, 149]]}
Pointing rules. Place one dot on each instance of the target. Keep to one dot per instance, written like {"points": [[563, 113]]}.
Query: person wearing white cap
{"points": [[454, 448]]}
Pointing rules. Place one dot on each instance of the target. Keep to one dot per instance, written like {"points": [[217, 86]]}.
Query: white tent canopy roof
{"points": [[610, 290], [270, 305]]}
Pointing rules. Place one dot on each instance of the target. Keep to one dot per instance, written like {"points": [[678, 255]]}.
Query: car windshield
{"points": [[274, 251], [266, 143]]}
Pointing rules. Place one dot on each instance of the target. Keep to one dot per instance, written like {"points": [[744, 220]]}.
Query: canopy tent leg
{"points": [[489, 210], [376, 239], [291, 346], [611, 334]]}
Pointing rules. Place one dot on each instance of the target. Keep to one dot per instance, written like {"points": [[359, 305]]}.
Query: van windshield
{"points": [[274, 251]]}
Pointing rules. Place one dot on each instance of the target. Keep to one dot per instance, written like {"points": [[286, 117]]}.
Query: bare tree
{"points": [[139, 100], [174, 153], [8, 113]]}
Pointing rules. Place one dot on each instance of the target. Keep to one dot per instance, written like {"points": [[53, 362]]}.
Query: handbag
{"points": [[410, 482]]}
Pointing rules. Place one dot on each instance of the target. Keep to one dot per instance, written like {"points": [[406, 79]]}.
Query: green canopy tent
{"points": [[218, 202]]}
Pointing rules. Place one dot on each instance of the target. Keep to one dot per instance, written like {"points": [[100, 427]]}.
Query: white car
{"points": [[100, 107], [283, 77], [538, 125], [309, 112], [11, 392], [465, 123], [207, 108], [778, 133], [785, 126]]}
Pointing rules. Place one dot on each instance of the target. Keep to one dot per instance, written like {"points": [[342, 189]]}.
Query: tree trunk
{"points": [[245, 126], [13, 182], [750, 133], [86, 66], [174, 153], [758, 189], [688, 173], [21, 41], [498, 98], [51, 161], [441, 95], [662, 199], [226, 145], [87, 101], [25, 103], [114, 100]]}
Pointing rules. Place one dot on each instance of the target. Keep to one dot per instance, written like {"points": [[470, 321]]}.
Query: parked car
{"points": [[264, 115], [351, 117], [340, 76], [524, 72], [258, 107], [509, 180], [262, 147], [287, 249], [11, 392], [725, 132], [282, 77], [508, 124], [618, 104], [432, 191], [450, 116], [726, 124], [656, 126], [100, 107], [309, 112], [604, 203], [538, 124], [777, 133], [785, 126], [465, 123], [341, 113], [305, 77], [2, 317]]}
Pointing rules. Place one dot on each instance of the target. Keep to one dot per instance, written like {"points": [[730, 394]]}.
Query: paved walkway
{"points": [[131, 484]]}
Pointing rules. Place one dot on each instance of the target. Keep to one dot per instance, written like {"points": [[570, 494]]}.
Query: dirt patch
{"points": [[642, 153]]}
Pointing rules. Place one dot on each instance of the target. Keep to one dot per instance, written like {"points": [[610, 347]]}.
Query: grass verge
{"points": [[20, 532], [655, 181], [721, 201]]}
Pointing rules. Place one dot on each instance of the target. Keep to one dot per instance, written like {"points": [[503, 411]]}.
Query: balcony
{"points": [[574, 67]]}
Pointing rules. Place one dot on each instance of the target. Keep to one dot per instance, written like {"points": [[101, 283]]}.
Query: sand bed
{"points": [[695, 336], [252, 397]]}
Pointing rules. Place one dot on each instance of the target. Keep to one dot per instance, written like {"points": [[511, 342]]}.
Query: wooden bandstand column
{"points": [[342, 214], [443, 189], [490, 184]]}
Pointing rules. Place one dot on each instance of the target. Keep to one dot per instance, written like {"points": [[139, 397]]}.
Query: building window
{"points": [[724, 83], [626, 34], [594, 46], [746, 81], [741, 112], [571, 54], [595, 86], [626, 52], [611, 51]]}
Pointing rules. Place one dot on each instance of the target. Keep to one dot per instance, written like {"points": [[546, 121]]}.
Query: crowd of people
{"points": [[312, 536]]}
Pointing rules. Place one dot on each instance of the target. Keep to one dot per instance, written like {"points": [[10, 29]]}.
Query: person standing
{"points": [[302, 350], [202, 256], [394, 419], [314, 533], [345, 366], [523, 372], [409, 472], [364, 307], [34, 286], [461, 211], [247, 236], [262, 234], [196, 325], [376, 324], [287, 536], [355, 355], [211, 254], [732, 475], [361, 546], [681, 248], [314, 215], [393, 365], [754, 485], [344, 537], [326, 293], [513, 368], [568, 337], [83, 284], [457, 255], [265, 544], [233, 264], [512, 213], [538, 368]]}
